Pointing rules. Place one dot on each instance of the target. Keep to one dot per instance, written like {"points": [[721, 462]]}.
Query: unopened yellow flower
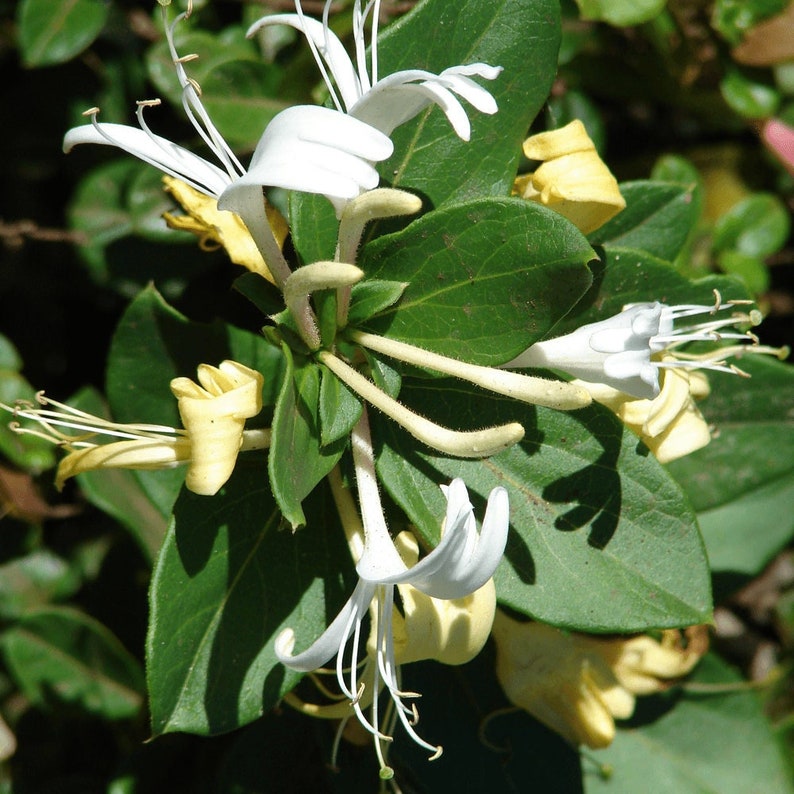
{"points": [[670, 424], [572, 179], [214, 415], [216, 228], [579, 684]]}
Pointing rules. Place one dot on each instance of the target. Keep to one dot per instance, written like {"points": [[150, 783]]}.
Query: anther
{"points": [[148, 103], [90, 112]]}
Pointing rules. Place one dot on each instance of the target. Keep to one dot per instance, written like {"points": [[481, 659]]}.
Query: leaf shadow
{"points": [[594, 490]]}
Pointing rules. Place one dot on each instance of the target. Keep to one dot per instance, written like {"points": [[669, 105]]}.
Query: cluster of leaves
{"points": [[603, 537]]}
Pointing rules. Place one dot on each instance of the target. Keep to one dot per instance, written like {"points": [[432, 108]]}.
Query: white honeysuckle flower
{"points": [[388, 102], [376, 106], [462, 563], [625, 351], [303, 148]]}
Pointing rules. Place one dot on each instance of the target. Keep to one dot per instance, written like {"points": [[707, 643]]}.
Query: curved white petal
{"points": [[315, 150], [477, 96], [463, 560], [331, 641], [328, 45], [155, 150], [388, 105]]}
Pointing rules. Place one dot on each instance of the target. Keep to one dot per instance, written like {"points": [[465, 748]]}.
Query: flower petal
{"points": [[155, 150], [328, 45], [329, 643]]}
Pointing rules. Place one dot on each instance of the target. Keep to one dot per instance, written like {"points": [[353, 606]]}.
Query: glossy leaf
{"points": [[228, 580], [485, 279], [33, 581], [621, 13], [658, 219], [602, 537], [742, 483], [756, 226], [61, 653], [53, 31], [298, 460]]}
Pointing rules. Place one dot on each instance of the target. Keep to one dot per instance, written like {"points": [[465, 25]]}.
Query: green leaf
{"points": [[757, 226], [61, 653], [53, 31], [750, 269], [522, 36], [296, 439], [371, 296], [227, 582], [747, 96], [658, 218], [602, 537], [698, 742], [621, 13], [153, 344], [742, 483], [485, 279], [339, 408], [9, 356], [33, 581]]}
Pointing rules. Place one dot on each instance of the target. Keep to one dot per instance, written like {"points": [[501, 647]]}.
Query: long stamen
{"points": [[316, 53], [194, 108]]}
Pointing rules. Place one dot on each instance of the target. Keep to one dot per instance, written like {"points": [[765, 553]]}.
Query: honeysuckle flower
{"points": [[671, 424], [577, 684], [213, 414], [367, 110], [572, 180], [460, 565], [624, 351], [450, 631]]}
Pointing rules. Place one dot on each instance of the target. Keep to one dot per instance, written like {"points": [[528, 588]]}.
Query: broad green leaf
{"points": [[621, 13], [10, 359], [53, 31], [522, 36], [371, 296], [61, 653], [33, 581], [742, 483], [750, 269], [339, 409], [485, 279], [298, 460], [153, 344], [118, 492], [658, 219], [229, 579], [701, 741], [749, 96], [758, 226], [602, 537]]}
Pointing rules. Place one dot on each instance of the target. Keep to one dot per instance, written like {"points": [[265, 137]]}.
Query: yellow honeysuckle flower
{"points": [[572, 179], [578, 684], [670, 424], [216, 227], [213, 414]]}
